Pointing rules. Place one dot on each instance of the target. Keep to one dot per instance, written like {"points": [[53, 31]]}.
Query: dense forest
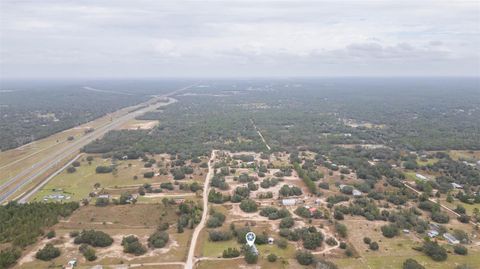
{"points": [[35, 109], [21, 224], [407, 114]]}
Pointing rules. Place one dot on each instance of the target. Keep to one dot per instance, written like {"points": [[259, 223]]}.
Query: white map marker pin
{"points": [[250, 237]]}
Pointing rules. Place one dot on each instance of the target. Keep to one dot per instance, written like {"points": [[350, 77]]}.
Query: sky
{"points": [[135, 39]]}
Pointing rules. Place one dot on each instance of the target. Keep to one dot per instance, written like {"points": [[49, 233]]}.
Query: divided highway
{"points": [[30, 174]]}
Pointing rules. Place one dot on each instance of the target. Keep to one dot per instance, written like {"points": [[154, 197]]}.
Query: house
{"points": [[271, 240], [421, 177], [407, 231], [104, 196], [289, 202], [451, 239], [456, 186], [72, 263], [356, 192], [179, 201], [432, 233], [312, 210], [318, 201]]}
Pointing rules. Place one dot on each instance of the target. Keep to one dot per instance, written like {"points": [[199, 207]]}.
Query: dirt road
{"points": [[190, 259]]}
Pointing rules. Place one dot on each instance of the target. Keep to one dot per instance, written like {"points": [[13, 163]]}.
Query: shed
{"points": [[289, 202], [356, 192]]}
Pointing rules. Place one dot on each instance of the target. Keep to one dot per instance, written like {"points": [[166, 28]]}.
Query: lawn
{"points": [[80, 183]]}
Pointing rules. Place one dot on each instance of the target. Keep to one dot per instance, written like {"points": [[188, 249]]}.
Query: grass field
{"points": [[79, 184], [394, 251], [466, 154], [117, 221], [427, 162]]}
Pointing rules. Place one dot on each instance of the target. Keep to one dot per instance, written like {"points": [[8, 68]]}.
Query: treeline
{"points": [[21, 224], [310, 117], [39, 110]]}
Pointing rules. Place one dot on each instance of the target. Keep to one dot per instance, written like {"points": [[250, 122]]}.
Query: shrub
{"points": [[8, 257], [271, 257], [158, 239], [250, 256], [331, 241], [412, 264], [282, 243], [74, 234], [71, 169], [389, 230], [132, 245], [231, 253], [304, 257], [373, 246], [88, 252], [216, 220], [103, 169], [460, 250], [324, 185], [94, 238], [248, 205], [48, 252], [435, 251], [367, 240], [343, 245], [287, 222], [148, 174], [341, 229], [216, 236], [51, 234]]}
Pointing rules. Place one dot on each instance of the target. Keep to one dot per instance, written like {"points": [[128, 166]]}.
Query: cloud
{"points": [[68, 38]]}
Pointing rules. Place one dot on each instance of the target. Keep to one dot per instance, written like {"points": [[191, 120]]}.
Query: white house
{"points": [[421, 177], [432, 233], [456, 186], [289, 202], [356, 192], [72, 263], [451, 239]]}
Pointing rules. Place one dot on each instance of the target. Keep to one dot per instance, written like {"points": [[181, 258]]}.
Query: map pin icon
{"points": [[250, 237]]}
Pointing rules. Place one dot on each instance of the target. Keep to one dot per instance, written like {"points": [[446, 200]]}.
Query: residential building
{"points": [[451, 239], [289, 202]]}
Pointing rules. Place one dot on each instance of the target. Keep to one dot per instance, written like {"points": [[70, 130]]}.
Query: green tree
{"points": [[48, 252], [411, 264]]}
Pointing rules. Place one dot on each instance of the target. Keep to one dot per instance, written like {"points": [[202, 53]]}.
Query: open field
{"points": [[397, 249], [127, 177], [118, 221], [135, 124], [465, 154]]}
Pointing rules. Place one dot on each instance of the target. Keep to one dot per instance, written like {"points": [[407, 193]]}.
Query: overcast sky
{"points": [[59, 39]]}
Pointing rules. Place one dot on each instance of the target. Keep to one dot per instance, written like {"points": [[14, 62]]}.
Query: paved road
{"points": [[190, 259], [27, 175], [29, 194]]}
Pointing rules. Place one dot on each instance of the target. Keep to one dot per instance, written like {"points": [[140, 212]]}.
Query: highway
{"points": [[30, 174]]}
